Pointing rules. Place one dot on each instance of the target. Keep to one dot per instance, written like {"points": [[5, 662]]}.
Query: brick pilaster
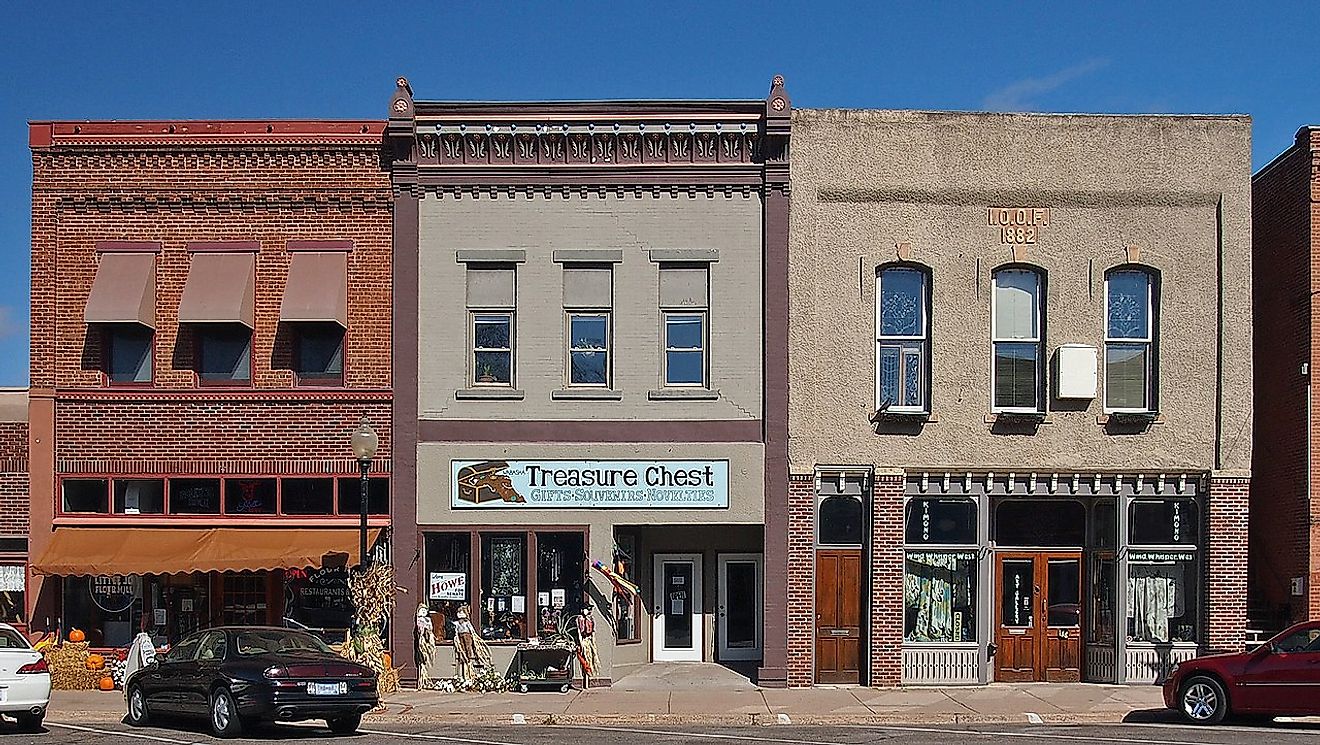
{"points": [[886, 570], [1226, 564], [801, 580]]}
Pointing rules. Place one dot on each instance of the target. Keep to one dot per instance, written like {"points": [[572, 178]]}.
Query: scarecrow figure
{"points": [[424, 644], [469, 650]]}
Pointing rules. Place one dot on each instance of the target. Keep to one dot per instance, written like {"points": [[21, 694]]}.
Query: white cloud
{"points": [[8, 326], [1021, 95]]}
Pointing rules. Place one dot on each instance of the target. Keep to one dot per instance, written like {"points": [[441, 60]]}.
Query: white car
{"points": [[24, 680]]}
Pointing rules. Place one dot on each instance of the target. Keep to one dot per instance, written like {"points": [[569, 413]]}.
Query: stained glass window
{"points": [[901, 340], [1129, 340]]}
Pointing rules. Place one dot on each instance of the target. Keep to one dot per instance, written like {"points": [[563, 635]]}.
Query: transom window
{"points": [[902, 339], [1129, 340], [1016, 338], [685, 349], [492, 348], [589, 349]]}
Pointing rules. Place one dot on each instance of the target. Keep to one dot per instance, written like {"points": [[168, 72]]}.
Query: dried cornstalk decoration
{"points": [[373, 601]]}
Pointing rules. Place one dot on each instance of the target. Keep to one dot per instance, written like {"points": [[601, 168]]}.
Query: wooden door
{"points": [[1038, 617], [839, 616]]}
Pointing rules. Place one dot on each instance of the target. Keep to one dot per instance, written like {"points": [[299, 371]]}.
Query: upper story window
{"points": [[1130, 340], [318, 354], [588, 302], [315, 310], [902, 341], [224, 353], [491, 303], [218, 303], [1016, 333], [128, 352], [684, 301]]}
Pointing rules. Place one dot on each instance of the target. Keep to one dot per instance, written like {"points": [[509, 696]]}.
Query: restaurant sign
{"points": [[590, 484]]}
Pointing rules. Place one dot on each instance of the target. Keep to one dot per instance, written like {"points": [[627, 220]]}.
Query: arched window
{"points": [[1016, 335], [840, 521], [902, 339], [1131, 334]]}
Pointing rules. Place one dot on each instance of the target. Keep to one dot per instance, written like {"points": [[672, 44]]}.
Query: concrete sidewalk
{"points": [[999, 703]]}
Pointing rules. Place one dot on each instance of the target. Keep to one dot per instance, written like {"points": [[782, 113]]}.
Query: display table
{"points": [[544, 666]]}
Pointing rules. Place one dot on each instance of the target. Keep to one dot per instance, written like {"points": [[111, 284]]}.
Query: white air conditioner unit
{"points": [[1076, 370]]}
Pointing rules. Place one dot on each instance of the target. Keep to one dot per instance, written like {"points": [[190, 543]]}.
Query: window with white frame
{"points": [[1017, 340], [490, 300], [588, 300], [1129, 340], [685, 349], [902, 338]]}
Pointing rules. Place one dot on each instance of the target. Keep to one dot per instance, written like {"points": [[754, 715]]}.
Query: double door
{"points": [[1038, 616]]}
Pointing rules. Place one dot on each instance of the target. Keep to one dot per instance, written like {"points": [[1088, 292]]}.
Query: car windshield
{"points": [[275, 641], [10, 639]]}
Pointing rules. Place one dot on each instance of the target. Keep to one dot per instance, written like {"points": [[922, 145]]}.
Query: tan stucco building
{"points": [[1020, 365]]}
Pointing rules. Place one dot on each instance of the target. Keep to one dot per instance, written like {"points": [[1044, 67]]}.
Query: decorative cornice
{"points": [[98, 200], [366, 395], [193, 133]]}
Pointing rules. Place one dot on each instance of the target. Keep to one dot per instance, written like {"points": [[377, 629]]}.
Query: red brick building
{"points": [[1285, 510], [210, 320], [13, 505]]}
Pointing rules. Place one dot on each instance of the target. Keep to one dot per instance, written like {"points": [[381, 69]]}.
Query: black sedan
{"points": [[241, 675]]}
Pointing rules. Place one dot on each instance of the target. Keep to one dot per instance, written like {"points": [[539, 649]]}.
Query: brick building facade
{"points": [[210, 320], [1285, 499], [14, 505]]}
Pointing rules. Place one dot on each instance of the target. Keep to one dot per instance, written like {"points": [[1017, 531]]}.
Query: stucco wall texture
{"points": [[1178, 188], [540, 225]]}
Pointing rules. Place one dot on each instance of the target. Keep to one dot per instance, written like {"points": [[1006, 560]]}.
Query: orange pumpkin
{"points": [[107, 683], [77, 635], [385, 658], [95, 662]]}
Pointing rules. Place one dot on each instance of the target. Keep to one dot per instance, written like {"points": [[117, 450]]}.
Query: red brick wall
{"points": [[1286, 252], [886, 612], [801, 581], [1226, 564], [14, 503]]}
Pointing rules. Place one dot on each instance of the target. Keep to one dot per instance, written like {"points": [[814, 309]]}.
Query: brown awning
{"points": [[98, 551], [317, 289], [219, 289], [124, 290]]}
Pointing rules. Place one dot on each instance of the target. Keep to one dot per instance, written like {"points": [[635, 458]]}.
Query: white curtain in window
{"points": [[1015, 304], [1155, 597], [929, 591]]}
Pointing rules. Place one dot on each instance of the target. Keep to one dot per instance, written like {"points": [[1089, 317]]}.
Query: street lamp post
{"points": [[364, 447]]}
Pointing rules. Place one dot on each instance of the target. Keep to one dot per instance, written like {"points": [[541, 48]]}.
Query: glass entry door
{"points": [[676, 633], [1038, 617], [739, 630]]}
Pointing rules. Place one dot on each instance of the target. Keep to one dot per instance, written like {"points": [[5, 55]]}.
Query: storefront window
{"points": [[559, 579], [626, 605], [1164, 522], [448, 568], [139, 496], [308, 496], [1104, 524], [318, 598], [250, 496], [195, 496], [1162, 596], [941, 521], [86, 495], [243, 599], [841, 521], [939, 596], [350, 496], [1100, 599], [1040, 523], [503, 586], [12, 584], [107, 609]]}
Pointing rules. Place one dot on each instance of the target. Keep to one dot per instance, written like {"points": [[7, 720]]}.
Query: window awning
{"points": [[100, 551], [219, 289], [124, 290], [317, 290]]}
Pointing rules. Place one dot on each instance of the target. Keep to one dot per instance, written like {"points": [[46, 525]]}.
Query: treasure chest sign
{"points": [[590, 484]]}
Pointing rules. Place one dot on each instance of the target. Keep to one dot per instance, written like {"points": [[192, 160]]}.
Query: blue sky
{"points": [[329, 59]]}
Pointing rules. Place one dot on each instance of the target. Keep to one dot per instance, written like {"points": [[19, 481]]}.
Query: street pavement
{"points": [[69, 733]]}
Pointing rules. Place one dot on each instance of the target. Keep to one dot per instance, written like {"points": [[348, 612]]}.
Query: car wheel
{"points": [[1202, 700], [224, 714], [29, 722], [345, 725], [138, 715]]}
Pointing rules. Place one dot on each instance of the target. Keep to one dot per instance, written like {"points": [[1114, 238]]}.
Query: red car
{"points": [[1279, 678]]}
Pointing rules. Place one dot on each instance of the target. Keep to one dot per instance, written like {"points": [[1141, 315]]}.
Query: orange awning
{"points": [[99, 551]]}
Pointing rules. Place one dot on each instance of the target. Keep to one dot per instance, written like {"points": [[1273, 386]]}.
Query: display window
{"points": [[448, 572], [627, 606], [939, 596], [559, 580], [941, 521], [1165, 522], [12, 584], [503, 586], [1163, 596]]}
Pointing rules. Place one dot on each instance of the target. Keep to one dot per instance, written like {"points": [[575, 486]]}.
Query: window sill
{"points": [[489, 394], [586, 394], [1130, 417], [904, 417], [684, 394], [1018, 417], [626, 642]]}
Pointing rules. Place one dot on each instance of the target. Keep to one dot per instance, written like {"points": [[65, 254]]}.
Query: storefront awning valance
{"points": [[219, 289], [317, 290], [102, 551], [124, 290]]}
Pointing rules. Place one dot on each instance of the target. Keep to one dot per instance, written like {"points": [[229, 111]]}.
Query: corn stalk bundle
{"points": [[68, 667], [373, 601]]}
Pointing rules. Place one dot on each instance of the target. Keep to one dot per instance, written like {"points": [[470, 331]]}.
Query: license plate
{"points": [[326, 689]]}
